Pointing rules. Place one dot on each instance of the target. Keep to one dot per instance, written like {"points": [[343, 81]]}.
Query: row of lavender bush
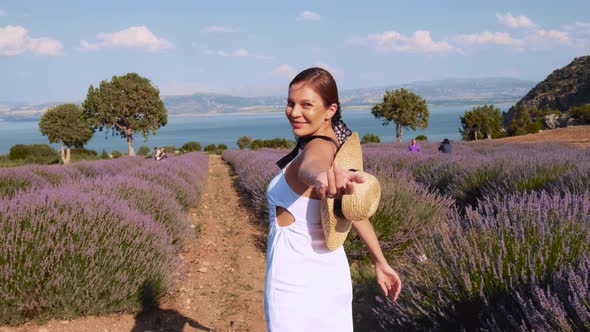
{"points": [[492, 237], [95, 237]]}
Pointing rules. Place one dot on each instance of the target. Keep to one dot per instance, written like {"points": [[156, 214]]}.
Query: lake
{"points": [[215, 129]]}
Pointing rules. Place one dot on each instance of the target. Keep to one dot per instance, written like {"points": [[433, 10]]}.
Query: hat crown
{"points": [[363, 203], [350, 155]]}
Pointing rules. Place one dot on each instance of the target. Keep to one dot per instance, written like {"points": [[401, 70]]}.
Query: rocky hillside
{"points": [[564, 88]]}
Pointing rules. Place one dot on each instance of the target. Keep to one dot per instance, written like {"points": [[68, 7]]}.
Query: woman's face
{"points": [[306, 111]]}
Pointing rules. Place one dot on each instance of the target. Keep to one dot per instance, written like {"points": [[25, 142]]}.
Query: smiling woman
{"points": [[308, 284]]}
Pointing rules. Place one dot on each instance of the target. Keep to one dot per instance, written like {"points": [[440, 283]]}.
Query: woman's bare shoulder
{"points": [[319, 149]]}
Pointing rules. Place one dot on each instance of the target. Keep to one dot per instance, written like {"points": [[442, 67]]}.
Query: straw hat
{"points": [[338, 214]]}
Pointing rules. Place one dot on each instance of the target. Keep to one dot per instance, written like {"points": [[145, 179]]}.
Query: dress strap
{"points": [[301, 142]]}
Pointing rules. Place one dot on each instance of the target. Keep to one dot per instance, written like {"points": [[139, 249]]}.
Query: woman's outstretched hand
{"points": [[388, 279], [336, 182]]}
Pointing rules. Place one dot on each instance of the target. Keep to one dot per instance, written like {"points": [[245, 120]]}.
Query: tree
{"points": [[521, 122], [244, 142], [481, 121], [404, 108], [127, 104], [66, 124], [370, 138]]}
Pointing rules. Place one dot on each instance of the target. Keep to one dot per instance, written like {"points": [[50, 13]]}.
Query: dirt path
{"points": [[220, 279]]}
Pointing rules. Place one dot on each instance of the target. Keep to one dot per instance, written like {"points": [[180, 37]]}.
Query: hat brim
{"points": [[348, 157]]}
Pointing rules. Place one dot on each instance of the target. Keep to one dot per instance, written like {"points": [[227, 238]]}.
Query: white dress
{"points": [[308, 287]]}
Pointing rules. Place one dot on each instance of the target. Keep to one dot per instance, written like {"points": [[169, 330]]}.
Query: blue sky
{"points": [[53, 50]]}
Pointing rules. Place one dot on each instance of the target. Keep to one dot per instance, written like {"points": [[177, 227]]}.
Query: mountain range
{"points": [[490, 90]]}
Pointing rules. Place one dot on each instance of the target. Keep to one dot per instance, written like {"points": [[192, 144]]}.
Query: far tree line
{"points": [[129, 104]]}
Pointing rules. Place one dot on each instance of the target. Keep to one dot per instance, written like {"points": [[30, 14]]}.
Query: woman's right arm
{"points": [[317, 171], [316, 160]]}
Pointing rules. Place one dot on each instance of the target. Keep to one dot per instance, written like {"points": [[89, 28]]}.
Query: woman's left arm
{"points": [[387, 278]]}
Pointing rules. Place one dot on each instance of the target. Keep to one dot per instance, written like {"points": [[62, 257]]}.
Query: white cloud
{"points": [[308, 16], [285, 71], [548, 36], [175, 88], [239, 53], [516, 22], [45, 46], [132, 37], [15, 40], [500, 38], [419, 42], [218, 28], [532, 37]]}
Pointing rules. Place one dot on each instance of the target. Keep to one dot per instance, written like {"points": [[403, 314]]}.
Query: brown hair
{"points": [[323, 83]]}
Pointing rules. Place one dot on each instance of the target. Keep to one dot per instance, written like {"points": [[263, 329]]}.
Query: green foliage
{"points": [[127, 104], [370, 138], [581, 114], [481, 122], [244, 142], [421, 138], [521, 121], [275, 143], [116, 154], [34, 154], [404, 108], [191, 146], [6, 162], [210, 148], [66, 123], [104, 154], [169, 149], [535, 126], [83, 154], [144, 150]]}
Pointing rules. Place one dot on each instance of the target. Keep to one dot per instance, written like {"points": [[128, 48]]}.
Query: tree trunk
{"points": [[475, 134], [62, 154], [398, 133], [489, 136], [68, 156], [130, 145]]}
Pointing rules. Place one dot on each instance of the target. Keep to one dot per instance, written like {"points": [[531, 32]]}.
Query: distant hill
{"points": [[449, 91], [562, 89]]}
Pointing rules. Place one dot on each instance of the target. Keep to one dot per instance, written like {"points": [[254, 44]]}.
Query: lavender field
{"points": [[492, 237], [94, 237]]}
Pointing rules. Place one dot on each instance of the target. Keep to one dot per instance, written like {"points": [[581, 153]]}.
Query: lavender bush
{"points": [[151, 199], [95, 243], [66, 253], [16, 179], [519, 263], [183, 175], [405, 210], [96, 168], [56, 175], [255, 170]]}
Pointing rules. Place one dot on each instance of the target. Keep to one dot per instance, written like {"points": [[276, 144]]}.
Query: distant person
{"points": [[414, 147], [157, 153], [445, 146], [163, 154]]}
